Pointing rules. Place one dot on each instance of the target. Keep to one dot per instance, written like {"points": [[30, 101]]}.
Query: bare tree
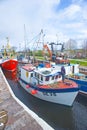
{"points": [[84, 48], [71, 46]]}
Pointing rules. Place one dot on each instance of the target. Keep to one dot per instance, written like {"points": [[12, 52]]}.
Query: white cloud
{"points": [[71, 12], [14, 14], [37, 15]]}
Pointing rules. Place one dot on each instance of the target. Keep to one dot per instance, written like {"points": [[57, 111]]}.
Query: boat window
{"points": [[47, 78], [52, 77], [59, 76], [31, 74], [46, 72], [38, 76], [41, 77], [35, 74], [56, 76]]}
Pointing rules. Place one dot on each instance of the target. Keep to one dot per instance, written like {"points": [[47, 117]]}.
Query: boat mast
{"points": [[25, 41], [40, 41]]}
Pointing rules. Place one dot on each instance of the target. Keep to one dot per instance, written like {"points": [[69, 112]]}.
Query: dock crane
{"points": [[58, 59], [52, 49], [62, 46]]}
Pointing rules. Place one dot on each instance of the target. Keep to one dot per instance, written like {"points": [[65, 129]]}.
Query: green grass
{"points": [[81, 63], [39, 57]]}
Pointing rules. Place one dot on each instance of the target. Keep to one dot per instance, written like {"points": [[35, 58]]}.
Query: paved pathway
{"points": [[16, 117]]}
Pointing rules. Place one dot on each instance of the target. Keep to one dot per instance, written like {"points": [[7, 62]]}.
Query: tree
{"points": [[85, 48], [71, 46]]}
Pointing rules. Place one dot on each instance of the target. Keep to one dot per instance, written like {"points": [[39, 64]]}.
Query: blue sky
{"points": [[60, 20]]}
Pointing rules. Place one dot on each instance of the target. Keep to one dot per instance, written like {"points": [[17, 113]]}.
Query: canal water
{"points": [[57, 116]]}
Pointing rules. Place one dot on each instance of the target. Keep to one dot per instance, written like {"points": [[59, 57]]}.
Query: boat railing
{"points": [[83, 70]]}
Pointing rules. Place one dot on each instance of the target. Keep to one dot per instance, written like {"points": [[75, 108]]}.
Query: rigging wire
{"points": [[35, 43]]}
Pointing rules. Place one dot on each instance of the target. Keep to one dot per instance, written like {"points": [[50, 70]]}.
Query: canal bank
{"points": [[17, 116]]}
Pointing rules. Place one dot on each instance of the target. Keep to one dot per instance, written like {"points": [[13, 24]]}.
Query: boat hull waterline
{"points": [[59, 96], [10, 64], [82, 85]]}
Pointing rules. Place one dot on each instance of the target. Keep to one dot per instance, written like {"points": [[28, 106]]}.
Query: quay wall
{"points": [[19, 117]]}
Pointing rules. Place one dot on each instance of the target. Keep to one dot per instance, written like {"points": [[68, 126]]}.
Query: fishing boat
{"points": [[7, 62], [81, 80], [73, 72], [9, 67], [45, 82]]}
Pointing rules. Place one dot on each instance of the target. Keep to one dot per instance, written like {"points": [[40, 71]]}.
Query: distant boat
{"points": [[9, 68], [73, 73], [7, 63], [81, 80], [45, 82]]}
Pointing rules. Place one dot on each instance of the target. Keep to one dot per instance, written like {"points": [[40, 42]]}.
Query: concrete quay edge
{"points": [[33, 121]]}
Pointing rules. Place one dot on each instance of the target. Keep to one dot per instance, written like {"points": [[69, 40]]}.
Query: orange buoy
{"points": [[33, 92], [27, 86]]}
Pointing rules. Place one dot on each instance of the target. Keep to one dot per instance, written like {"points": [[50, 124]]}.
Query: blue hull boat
{"points": [[81, 80]]}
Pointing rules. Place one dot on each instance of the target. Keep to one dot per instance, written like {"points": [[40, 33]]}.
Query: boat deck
{"points": [[60, 85]]}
